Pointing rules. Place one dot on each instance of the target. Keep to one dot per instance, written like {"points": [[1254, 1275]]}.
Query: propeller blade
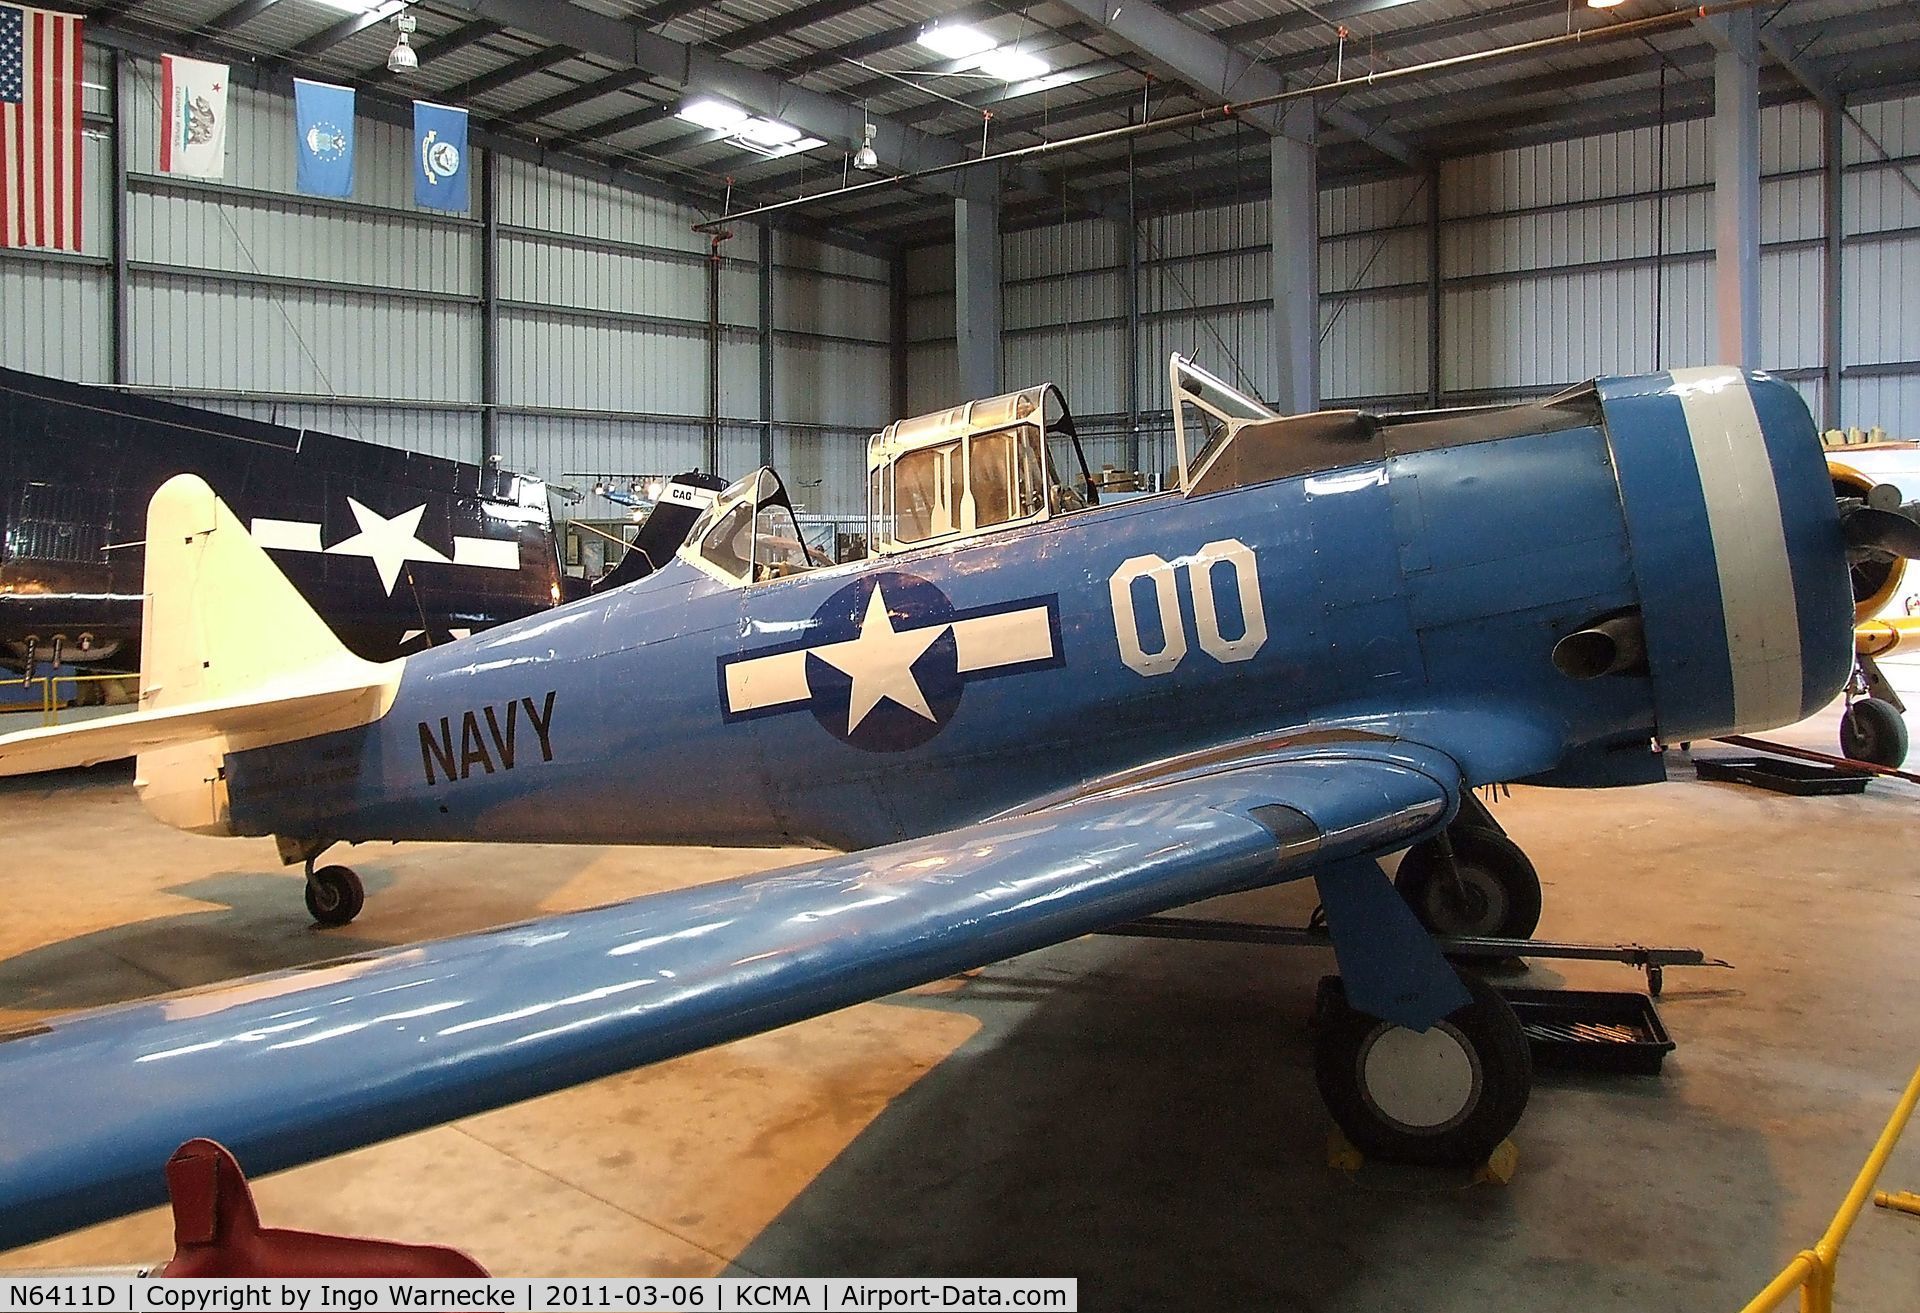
{"points": [[1892, 531]]}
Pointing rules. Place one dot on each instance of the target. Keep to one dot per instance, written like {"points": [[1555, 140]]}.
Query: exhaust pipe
{"points": [[1609, 647]]}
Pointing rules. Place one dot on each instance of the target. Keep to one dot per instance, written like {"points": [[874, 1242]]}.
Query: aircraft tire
{"points": [[1445, 1097], [335, 895], [1873, 731], [1500, 890]]}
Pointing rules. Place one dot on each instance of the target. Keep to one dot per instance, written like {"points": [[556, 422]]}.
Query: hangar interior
{"points": [[1493, 233], [1468, 231]]}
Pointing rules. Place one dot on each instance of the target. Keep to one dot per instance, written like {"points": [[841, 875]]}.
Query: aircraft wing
{"points": [[294, 1066]]}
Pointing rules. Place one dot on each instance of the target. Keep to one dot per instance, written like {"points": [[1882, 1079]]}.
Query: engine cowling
{"points": [[1876, 575]]}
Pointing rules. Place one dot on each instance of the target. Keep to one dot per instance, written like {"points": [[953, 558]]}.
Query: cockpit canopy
{"points": [[749, 533], [988, 464], [996, 463]]}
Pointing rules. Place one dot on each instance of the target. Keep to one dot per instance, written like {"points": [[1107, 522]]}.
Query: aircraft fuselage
{"points": [[857, 704]]}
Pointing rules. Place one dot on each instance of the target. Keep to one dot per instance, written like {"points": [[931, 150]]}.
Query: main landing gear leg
{"points": [[334, 893], [1416, 1064], [1471, 879]]}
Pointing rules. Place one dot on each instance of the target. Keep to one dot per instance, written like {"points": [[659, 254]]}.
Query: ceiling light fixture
{"points": [[1605, 4], [401, 58], [955, 40], [708, 112], [762, 136], [1010, 65], [767, 132], [866, 158], [778, 151]]}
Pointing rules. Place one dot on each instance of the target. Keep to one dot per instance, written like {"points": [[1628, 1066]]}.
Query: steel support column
{"points": [[1831, 346], [489, 315], [1736, 187], [121, 345], [712, 462], [1130, 294], [1436, 307], [898, 348], [766, 343], [1295, 224], [976, 290]]}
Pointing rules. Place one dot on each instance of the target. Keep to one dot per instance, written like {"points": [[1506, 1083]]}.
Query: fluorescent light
{"points": [[711, 113], [358, 6], [1605, 4], [955, 40], [780, 151], [1010, 65], [767, 132], [1047, 83]]}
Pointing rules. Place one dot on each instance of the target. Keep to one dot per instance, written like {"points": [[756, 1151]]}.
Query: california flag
{"points": [[193, 96]]}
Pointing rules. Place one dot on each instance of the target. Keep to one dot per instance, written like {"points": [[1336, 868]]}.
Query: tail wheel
{"points": [[335, 895], [1874, 731], [1443, 1097], [1497, 892]]}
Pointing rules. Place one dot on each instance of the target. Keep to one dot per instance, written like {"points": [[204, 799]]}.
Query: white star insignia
{"points": [[880, 662], [389, 544]]}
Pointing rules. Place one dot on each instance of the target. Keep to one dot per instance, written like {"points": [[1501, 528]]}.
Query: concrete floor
{"points": [[1138, 1114]]}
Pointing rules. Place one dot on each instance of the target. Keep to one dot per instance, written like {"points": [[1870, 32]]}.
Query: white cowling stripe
{"points": [[1749, 545]]}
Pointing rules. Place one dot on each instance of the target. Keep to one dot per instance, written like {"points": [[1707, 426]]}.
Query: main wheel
{"points": [[1443, 1097], [1874, 731], [1497, 894], [335, 895]]}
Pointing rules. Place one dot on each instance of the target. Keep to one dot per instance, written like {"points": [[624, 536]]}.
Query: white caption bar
{"points": [[698, 1295]]}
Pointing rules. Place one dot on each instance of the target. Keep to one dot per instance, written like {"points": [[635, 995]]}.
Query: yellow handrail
{"points": [[49, 684], [1812, 1270]]}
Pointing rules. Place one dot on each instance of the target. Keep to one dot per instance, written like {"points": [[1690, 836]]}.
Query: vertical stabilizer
{"points": [[232, 658], [220, 619], [223, 627]]}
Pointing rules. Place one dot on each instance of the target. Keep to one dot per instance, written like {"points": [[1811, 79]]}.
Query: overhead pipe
{"points": [[1631, 28]]}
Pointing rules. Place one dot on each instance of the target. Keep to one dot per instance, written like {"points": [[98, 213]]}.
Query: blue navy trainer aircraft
{"points": [[1027, 716]]}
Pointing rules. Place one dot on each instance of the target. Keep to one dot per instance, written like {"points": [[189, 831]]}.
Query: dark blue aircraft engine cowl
{"points": [[1748, 613]]}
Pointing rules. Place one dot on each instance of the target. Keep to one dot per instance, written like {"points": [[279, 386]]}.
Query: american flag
{"points": [[39, 128]]}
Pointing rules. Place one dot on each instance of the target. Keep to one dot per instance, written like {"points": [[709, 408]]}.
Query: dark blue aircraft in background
{"points": [[1024, 718], [397, 550]]}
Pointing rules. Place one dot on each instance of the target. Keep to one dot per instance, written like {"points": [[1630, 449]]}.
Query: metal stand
{"points": [[1653, 961]]}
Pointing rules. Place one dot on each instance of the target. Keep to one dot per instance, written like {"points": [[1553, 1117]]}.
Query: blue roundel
{"points": [[883, 666]]}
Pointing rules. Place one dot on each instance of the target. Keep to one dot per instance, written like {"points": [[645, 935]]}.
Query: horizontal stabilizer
{"points": [[257, 719]]}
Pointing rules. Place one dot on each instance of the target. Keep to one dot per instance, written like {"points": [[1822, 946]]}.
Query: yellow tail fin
{"points": [[220, 619]]}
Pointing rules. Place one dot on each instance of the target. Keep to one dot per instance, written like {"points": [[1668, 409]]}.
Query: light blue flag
{"points": [[440, 157], [323, 116]]}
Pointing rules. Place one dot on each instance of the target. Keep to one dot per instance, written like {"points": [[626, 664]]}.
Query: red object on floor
{"points": [[217, 1233]]}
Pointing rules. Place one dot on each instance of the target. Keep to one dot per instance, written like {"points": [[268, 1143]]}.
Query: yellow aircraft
{"points": [[1873, 728]]}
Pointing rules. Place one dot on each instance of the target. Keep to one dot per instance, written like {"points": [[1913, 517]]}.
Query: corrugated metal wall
{"points": [[1556, 262], [365, 317], [1881, 268], [56, 310]]}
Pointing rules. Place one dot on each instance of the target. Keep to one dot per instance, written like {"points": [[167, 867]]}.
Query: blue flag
{"points": [[323, 118], [440, 157]]}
